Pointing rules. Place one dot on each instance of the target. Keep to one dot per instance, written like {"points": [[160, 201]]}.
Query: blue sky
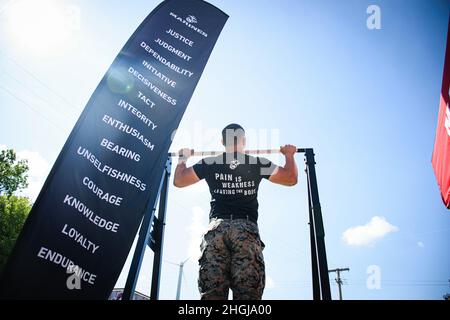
{"points": [[308, 73]]}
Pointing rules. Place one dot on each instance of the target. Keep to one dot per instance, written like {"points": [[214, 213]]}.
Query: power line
{"points": [[37, 95], [69, 104], [30, 107], [40, 81]]}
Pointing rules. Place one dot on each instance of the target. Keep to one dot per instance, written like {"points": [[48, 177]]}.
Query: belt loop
{"points": [[231, 217], [247, 217]]}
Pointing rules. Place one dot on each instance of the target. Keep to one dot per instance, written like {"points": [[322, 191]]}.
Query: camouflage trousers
{"points": [[231, 259]]}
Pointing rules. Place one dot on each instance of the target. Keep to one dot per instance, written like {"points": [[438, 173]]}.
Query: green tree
{"points": [[13, 213], [13, 173], [13, 210]]}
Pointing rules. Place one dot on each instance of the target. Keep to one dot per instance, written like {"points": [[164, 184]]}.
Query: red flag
{"points": [[441, 152]]}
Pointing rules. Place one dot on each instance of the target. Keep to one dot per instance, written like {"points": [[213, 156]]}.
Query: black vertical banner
{"points": [[81, 228]]}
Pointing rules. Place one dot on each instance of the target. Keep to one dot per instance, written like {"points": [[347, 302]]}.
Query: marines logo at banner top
{"points": [[81, 228], [441, 152]]}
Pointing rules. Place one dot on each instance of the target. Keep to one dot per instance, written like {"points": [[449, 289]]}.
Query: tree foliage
{"points": [[13, 173], [13, 210], [13, 213]]}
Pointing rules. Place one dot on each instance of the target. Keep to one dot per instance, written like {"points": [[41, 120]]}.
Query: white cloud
{"points": [[270, 284], [420, 244], [369, 233], [37, 172], [196, 230]]}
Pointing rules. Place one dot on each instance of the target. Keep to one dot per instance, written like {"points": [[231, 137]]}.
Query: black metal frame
{"points": [[152, 234], [319, 264]]}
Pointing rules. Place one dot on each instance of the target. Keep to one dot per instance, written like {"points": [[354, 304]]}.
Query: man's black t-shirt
{"points": [[233, 180]]}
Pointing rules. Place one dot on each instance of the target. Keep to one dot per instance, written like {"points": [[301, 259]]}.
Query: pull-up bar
{"points": [[152, 230], [214, 153]]}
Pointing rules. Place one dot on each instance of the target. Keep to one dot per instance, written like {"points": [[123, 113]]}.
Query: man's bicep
{"points": [[275, 175], [267, 168], [279, 176], [186, 178], [199, 170], [191, 175]]}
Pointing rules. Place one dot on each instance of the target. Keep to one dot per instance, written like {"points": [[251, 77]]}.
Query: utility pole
{"points": [[180, 277], [338, 279], [447, 295]]}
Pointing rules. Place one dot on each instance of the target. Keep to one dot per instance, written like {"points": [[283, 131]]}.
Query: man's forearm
{"points": [[290, 166]]}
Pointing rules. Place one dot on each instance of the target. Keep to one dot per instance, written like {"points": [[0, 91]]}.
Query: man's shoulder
{"points": [[213, 159], [257, 160]]}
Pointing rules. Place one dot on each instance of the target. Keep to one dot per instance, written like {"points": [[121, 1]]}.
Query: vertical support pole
{"points": [[180, 278], [339, 282], [338, 279], [144, 234], [159, 231], [312, 239], [319, 232]]}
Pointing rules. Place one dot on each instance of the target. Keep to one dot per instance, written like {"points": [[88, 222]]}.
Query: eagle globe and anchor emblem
{"points": [[191, 19], [234, 164]]}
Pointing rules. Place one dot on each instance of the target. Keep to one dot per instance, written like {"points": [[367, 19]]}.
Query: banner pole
{"points": [[144, 234], [162, 209]]}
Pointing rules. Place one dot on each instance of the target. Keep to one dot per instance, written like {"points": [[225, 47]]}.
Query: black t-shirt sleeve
{"points": [[266, 167], [200, 169]]}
